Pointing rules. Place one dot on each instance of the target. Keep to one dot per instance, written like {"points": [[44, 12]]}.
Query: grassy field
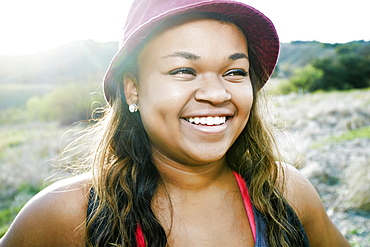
{"points": [[327, 136], [29, 161]]}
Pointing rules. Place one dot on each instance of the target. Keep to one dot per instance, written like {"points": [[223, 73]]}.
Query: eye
{"points": [[236, 72], [235, 75], [183, 71]]}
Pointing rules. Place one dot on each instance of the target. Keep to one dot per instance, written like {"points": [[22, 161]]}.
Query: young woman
{"points": [[182, 156]]}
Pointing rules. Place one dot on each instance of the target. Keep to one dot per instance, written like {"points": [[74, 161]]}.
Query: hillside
{"points": [[87, 60], [298, 54]]}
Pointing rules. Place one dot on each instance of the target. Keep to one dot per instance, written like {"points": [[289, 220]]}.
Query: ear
{"points": [[130, 89]]}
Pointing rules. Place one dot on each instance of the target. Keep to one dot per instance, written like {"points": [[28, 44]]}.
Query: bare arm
{"points": [[54, 217], [305, 200]]}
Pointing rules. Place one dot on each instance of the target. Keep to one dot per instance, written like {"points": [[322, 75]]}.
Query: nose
{"points": [[212, 90]]}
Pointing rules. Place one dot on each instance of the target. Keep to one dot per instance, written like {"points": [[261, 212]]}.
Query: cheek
{"points": [[161, 99], [155, 96], [245, 111], [250, 101], [243, 99]]}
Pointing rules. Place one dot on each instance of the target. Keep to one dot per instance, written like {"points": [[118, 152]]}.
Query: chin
{"points": [[208, 159]]}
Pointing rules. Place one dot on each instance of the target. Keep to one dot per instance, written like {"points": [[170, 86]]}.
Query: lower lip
{"points": [[208, 129]]}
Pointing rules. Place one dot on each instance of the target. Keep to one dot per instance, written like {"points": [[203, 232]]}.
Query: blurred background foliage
{"points": [[65, 104], [338, 67]]}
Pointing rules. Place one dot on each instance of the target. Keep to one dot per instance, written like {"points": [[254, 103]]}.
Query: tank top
{"points": [[256, 219]]}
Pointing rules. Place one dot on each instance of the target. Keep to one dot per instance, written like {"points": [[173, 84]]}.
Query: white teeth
{"points": [[207, 120]]}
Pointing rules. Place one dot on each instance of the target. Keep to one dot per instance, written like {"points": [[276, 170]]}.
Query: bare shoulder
{"points": [[305, 200], [54, 217]]}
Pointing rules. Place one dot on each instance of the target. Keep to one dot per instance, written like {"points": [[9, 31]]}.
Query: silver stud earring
{"points": [[132, 108]]}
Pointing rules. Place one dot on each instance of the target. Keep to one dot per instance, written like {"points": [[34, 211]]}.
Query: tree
{"points": [[306, 78], [333, 75], [357, 70]]}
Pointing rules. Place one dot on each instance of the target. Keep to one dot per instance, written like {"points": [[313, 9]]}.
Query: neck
{"points": [[193, 178]]}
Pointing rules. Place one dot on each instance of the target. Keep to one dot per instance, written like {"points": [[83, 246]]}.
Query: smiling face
{"points": [[194, 91]]}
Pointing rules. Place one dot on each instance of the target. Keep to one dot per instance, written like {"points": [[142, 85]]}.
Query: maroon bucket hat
{"points": [[145, 15]]}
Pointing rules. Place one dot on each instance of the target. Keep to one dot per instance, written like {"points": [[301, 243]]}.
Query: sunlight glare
{"points": [[31, 26]]}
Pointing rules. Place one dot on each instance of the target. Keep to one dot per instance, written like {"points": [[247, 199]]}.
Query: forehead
{"points": [[199, 36]]}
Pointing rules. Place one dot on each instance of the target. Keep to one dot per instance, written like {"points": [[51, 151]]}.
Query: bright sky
{"points": [[31, 26]]}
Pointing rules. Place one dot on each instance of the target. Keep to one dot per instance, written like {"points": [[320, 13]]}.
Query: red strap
{"points": [[247, 202], [140, 240]]}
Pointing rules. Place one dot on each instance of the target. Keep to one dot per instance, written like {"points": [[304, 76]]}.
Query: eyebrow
{"points": [[193, 57], [186, 55], [237, 56]]}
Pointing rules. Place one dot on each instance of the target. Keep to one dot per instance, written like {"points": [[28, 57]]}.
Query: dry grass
{"points": [[27, 153], [358, 179], [327, 136]]}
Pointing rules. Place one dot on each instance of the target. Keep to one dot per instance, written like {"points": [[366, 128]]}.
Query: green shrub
{"points": [[65, 104], [284, 87], [68, 104], [16, 95], [305, 79], [14, 115]]}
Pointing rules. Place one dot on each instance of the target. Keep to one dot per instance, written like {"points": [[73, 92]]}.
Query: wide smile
{"points": [[208, 121]]}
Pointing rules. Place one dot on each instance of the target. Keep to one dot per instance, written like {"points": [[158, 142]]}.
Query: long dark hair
{"points": [[125, 178]]}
